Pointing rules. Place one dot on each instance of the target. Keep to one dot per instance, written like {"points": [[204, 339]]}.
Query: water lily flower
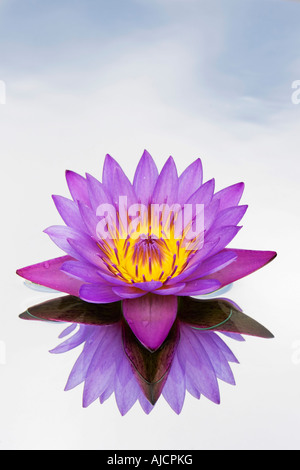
{"points": [[135, 255]]}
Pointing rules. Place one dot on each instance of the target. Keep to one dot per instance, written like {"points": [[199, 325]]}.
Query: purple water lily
{"points": [[135, 254]]}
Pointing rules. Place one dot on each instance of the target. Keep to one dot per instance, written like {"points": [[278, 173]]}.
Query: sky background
{"points": [[187, 78]]}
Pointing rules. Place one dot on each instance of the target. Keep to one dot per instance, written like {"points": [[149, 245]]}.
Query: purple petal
{"points": [[83, 271], [145, 178], [49, 274], [103, 365], [246, 263], [82, 335], [128, 291], [112, 280], [170, 290], [89, 218], [189, 181], [107, 392], [81, 366], [212, 264], [210, 213], [61, 234], [224, 235], [199, 215], [219, 363], [200, 255], [127, 390], [235, 336], [191, 388], [97, 193], [230, 216], [174, 389], [87, 250], [204, 194], [200, 287], [97, 294], [227, 353], [149, 286], [78, 187], [145, 404], [230, 196], [166, 188], [68, 330], [150, 318], [69, 212], [122, 187], [203, 376], [110, 164]]}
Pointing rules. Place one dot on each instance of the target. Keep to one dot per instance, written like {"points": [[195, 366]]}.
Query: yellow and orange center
{"points": [[147, 251]]}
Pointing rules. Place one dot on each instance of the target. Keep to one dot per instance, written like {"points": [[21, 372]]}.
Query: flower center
{"points": [[151, 251]]}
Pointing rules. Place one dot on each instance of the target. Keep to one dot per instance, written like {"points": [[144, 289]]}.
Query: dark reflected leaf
{"points": [[74, 310], [151, 368], [219, 315]]}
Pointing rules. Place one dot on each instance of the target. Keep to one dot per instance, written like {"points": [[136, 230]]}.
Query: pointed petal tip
{"points": [[151, 317], [198, 163], [211, 183], [24, 316], [109, 159], [240, 186], [71, 175], [123, 411], [24, 272], [47, 230], [90, 177], [177, 411], [268, 334], [171, 161], [146, 154], [267, 256], [68, 174], [19, 271]]}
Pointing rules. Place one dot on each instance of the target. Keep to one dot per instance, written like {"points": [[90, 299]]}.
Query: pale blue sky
{"points": [[234, 57]]}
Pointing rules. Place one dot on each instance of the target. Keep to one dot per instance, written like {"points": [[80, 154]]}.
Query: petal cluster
{"points": [[201, 358], [135, 254], [192, 358], [134, 262]]}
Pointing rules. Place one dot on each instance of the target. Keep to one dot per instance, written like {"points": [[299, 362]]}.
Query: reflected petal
{"points": [[151, 317], [219, 315], [74, 310], [151, 368]]}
